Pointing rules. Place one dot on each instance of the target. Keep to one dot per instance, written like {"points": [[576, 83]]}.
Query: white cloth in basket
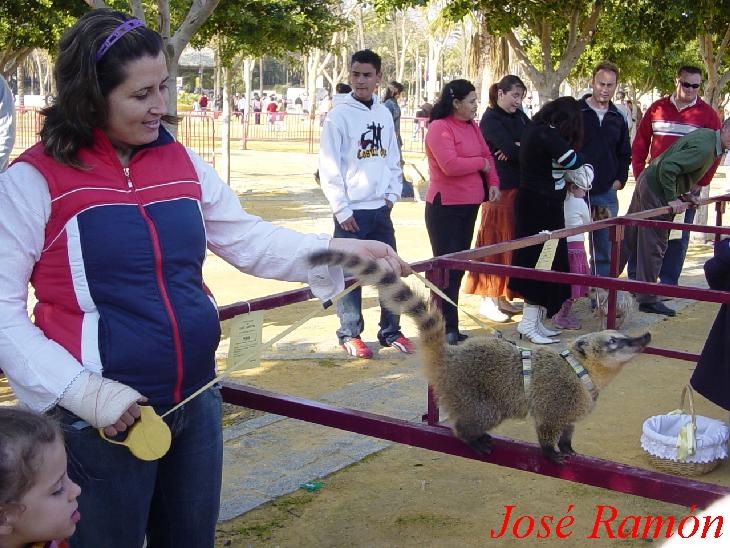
{"points": [[659, 437]]}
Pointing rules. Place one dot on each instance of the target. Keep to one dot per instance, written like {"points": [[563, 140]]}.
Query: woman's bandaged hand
{"points": [[97, 400]]}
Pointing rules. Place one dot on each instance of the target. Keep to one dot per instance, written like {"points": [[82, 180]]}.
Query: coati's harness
{"points": [[580, 371]]}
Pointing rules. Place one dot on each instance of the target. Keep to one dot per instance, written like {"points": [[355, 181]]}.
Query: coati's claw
{"points": [[553, 455], [482, 444], [566, 449]]}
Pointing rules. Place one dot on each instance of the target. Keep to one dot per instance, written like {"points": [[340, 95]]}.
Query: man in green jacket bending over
{"points": [[671, 179]]}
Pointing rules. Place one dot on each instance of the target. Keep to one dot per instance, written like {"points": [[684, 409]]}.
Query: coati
{"points": [[625, 305], [480, 382]]}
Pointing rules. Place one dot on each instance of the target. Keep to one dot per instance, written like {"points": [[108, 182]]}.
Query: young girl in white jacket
{"points": [[576, 213]]}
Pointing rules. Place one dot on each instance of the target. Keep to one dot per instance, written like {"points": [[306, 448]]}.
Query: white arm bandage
{"points": [[97, 400]]}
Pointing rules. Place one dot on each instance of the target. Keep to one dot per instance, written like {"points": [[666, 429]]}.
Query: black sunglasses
{"points": [[688, 85]]}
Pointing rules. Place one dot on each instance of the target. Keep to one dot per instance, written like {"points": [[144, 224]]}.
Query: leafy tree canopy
{"points": [[273, 27], [36, 23]]}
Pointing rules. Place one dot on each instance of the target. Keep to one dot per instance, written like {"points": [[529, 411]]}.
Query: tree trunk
{"points": [[20, 99], [396, 49], [217, 81], [11, 59], [492, 60], [247, 77], [547, 86], [261, 76], [549, 76], [315, 66], [405, 40], [51, 79], [41, 73], [225, 165], [712, 59], [435, 47], [360, 29], [418, 77]]}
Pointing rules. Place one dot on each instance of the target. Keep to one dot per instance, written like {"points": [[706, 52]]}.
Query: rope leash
{"points": [[319, 311], [430, 285], [149, 438], [268, 344]]}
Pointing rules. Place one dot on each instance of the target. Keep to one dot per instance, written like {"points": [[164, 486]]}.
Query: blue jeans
{"points": [[173, 501], [673, 261], [375, 224], [601, 255]]}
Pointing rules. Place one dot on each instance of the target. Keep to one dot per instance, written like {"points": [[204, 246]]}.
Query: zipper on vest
{"points": [[129, 180], [156, 249]]}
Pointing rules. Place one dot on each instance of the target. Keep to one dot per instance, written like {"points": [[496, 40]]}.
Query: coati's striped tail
{"points": [[396, 295]]}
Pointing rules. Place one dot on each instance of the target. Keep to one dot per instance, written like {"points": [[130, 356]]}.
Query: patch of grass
{"points": [[327, 362], [262, 531], [427, 520], [293, 501]]}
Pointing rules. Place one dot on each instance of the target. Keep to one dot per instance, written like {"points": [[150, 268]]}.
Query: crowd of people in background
{"points": [[563, 167]]}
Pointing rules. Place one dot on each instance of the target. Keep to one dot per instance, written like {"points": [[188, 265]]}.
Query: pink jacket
{"points": [[456, 151]]}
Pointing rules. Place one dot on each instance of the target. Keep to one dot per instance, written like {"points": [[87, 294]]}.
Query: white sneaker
{"points": [[489, 309]]}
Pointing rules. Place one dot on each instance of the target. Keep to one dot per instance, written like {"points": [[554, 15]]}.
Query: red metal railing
{"points": [[197, 130], [28, 122]]}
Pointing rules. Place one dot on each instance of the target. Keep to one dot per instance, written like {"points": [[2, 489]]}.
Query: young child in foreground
{"points": [[37, 498]]}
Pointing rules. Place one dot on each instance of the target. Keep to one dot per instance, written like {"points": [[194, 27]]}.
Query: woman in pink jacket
{"points": [[462, 176]]}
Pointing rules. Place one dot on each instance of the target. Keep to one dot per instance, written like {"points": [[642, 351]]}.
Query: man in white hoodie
{"points": [[359, 170]]}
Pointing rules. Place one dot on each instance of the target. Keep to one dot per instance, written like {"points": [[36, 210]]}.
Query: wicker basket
{"points": [[659, 438]]}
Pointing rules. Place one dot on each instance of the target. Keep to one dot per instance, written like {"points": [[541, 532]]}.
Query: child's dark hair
{"points": [[367, 56], [505, 85], [84, 83], [456, 89], [343, 88], [565, 115], [23, 434]]}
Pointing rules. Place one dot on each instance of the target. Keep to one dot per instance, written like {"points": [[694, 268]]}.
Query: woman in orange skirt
{"points": [[502, 126]]}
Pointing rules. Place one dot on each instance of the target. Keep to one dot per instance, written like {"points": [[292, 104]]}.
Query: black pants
{"points": [[450, 229], [535, 212]]}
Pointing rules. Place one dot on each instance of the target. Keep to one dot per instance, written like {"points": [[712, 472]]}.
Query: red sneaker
{"points": [[356, 348], [403, 344]]}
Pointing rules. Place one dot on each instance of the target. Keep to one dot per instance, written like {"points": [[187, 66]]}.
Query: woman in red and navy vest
{"points": [[109, 218]]}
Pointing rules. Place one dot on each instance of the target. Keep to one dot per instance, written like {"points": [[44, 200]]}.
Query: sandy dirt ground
{"points": [[405, 496]]}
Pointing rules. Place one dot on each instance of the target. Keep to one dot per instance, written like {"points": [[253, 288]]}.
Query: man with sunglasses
{"points": [[665, 121]]}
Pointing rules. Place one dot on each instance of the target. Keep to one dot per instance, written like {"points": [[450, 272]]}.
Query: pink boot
{"points": [[564, 318]]}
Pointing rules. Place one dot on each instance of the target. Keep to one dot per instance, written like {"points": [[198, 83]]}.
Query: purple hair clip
{"points": [[116, 34]]}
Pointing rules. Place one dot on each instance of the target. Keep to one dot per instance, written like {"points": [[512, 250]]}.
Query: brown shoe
{"points": [[508, 308]]}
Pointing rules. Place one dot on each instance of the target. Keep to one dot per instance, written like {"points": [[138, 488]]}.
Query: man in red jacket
{"points": [[665, 121]]}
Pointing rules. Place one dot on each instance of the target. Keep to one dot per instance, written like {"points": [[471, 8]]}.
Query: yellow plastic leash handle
{"points": [[149, 438]]}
